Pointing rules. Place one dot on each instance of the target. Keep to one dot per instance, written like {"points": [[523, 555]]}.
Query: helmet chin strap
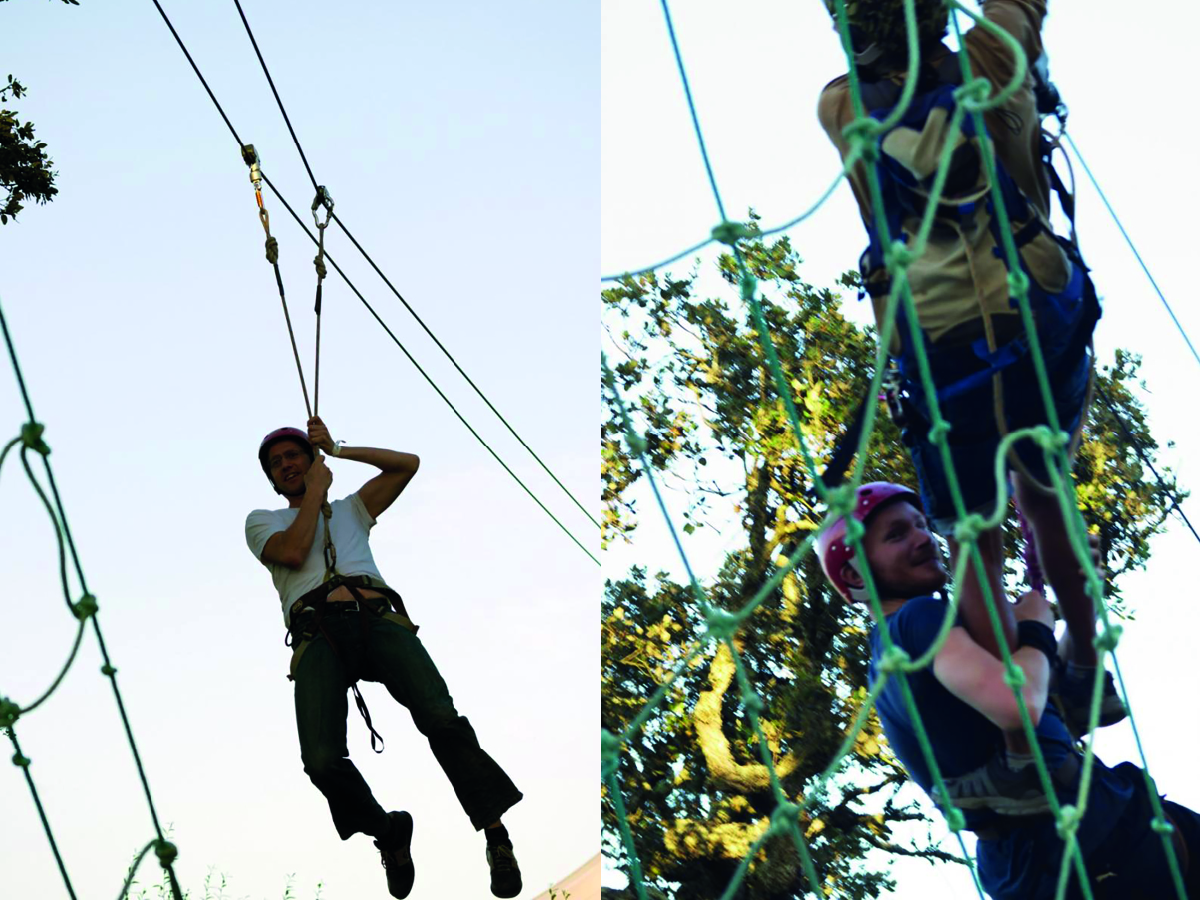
{"points": [[858, 594]]}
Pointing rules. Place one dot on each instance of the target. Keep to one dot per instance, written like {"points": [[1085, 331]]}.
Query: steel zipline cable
{"points": [[303, 158], [358, 294]]}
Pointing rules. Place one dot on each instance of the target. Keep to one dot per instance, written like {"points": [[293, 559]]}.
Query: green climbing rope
{"points": [[974, 97], [84, 611]]}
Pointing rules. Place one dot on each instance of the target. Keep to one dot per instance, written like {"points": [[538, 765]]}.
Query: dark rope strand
{"points": [[278, 102], [1145, 459], [425, 375], [23, 762], [312, 178], [459, 368], [211, 96], [12, 354], [287, 120]]}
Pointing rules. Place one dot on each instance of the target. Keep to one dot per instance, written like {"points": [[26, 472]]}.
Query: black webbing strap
{"points": [[318, 599]]}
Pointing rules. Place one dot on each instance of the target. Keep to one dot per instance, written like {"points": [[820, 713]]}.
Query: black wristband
{"points": [[1031, 633]]}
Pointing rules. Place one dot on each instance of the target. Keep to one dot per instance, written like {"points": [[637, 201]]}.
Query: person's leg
{"points": [[321, 707], [1062, 568], [971, 604], [399, 660]]}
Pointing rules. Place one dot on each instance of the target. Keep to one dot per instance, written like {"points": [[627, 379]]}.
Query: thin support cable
{"points": [[459, 369], [425, 375], [1129, 241], [342, 225], [278, 101]]}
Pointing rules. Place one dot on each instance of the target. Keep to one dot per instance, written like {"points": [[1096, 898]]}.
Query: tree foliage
{"points": [[25, 169], [694, 377]]}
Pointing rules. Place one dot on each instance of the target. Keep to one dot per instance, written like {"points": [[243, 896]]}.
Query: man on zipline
{"points": [[347, 625], [966, 707], [970, 328]]}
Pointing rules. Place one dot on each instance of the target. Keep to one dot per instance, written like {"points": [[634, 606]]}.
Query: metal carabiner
{"points": [[324, 199]]}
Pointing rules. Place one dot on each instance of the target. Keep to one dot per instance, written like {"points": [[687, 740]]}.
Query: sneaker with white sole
{"points": [[996, 787]]}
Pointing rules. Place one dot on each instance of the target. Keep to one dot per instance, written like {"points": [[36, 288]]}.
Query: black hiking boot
{"points": [[996, 787], [396, 856], [506, 877], [1072, 696]]}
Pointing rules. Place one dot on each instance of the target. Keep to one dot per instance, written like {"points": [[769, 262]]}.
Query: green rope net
{"points": [[973, 98], [84, 611]]}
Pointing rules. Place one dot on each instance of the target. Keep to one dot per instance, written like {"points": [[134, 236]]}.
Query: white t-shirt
{"points": [[348, 527]]}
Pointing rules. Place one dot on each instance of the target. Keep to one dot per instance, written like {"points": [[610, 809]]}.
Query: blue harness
{"points": [[1065, 319]]}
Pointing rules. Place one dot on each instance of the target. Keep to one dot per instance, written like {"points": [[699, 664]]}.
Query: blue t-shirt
{"points": [[1024, 864]]}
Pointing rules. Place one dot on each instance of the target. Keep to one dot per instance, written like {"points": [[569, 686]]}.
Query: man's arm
{"points": [[396, 468], [290, 547], [973, 675]]}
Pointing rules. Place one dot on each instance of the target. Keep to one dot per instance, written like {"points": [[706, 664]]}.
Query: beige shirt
{"points": [[958, 279]]}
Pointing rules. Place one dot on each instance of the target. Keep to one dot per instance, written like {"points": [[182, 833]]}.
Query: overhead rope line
{"points": [[720, 625], [84, 610], [1129, 241], [357, 293], [1137, 446], [424, 374], [318, 188]]}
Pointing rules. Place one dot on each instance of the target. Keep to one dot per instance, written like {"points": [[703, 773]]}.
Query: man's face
{"points": [[287, 462], [905, 559]]}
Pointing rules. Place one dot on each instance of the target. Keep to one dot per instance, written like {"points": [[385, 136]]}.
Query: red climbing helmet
{"points": [[282, 434], [832, 548]]}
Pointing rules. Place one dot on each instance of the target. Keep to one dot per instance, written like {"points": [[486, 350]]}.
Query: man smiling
{"points": [[346, 624], [966, 706]]}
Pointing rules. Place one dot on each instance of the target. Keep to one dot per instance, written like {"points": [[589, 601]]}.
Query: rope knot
{"points": [[854, 532], [968, 528], [894, 660], [272, 250], [753, 703], [319, 262], [19, 760], [899, 257], [955, 819], [721, 623], [31, 437], [783, 818], [841, 500], [1018, 284], [1108, 638], [973, 96], [108, 670], [1069, 818], [166, 852], [1014, 677], [610, 750], [940, 429], [9, 712], [731, 232], [1162, 826], [85, 608], [862, 133]]}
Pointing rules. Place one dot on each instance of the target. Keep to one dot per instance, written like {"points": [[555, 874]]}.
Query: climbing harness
{"points": [[307, 620]]}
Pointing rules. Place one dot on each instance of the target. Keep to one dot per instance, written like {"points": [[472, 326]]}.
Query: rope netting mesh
{"points": [[973, 98], [84, 610]]}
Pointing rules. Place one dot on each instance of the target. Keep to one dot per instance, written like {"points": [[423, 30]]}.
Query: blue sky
{"points": [[755, 76], [460, 143]]}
